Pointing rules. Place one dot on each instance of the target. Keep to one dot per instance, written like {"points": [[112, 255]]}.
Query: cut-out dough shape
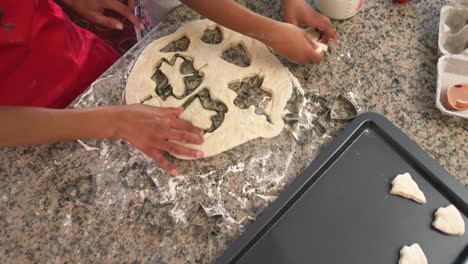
{"points": [[315, 37], [405, 186], [197, 115], [412, 255], [449, 221], [239, 125]]}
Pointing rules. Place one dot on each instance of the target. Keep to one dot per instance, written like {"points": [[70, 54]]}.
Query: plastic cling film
{"points": [[151, 12]]}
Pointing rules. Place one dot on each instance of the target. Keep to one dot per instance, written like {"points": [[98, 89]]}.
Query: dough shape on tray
{"points": [[238, 125], [405, 186], [412, 255], [449, 221]]}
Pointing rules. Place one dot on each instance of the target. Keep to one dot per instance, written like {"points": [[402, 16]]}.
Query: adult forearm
{"points": [[232, 15], [29, 125]]}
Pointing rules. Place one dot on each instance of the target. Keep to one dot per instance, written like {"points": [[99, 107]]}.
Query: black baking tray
{"points": [[339, 209]]}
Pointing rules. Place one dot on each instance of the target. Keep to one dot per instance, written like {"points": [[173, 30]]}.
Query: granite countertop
{"points": [[60, 203]]}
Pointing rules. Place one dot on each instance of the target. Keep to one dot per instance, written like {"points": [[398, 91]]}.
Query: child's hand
{"points": [[293, 43], [94, 11], [155, 130], [299, 13], [131, 4]]}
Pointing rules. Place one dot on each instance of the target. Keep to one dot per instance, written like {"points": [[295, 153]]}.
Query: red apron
{"points": [[45, 59]]}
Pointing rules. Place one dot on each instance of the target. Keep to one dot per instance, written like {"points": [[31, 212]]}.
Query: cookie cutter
{"points": [[163, 88], [320, 124], [304, 135], [301, 133], [220, 108], [350, 103]]}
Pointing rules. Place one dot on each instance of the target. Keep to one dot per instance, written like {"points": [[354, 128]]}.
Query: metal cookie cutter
{"points": [[297, 131], [350, 105], [303, 133], [320, 124]]}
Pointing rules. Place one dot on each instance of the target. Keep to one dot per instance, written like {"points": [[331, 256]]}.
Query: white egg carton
{"points": [[452, 69], [453, 45]]}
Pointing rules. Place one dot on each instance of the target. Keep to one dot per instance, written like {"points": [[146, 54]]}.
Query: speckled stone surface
{"points": [[60, 203]]}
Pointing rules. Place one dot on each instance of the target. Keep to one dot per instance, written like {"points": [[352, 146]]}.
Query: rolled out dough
{"points": [[239, 125], [405, 186], [449, 221], [412, 255], [197, 115]]}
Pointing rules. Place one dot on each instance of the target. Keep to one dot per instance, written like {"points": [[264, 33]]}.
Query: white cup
{"points": [[339, 9]]}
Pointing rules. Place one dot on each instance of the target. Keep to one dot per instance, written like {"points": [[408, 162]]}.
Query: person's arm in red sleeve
{"points": [[152, 130]]}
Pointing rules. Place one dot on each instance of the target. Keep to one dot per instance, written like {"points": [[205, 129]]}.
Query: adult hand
{"points": [[293, 43], [157, 130], [299, 13], [93, 10]]}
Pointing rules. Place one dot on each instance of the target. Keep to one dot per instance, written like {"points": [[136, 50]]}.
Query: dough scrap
{"points": [[449, 221], [197, 115], [412, 255], [239, 125], [315, 37], [405, 186]]}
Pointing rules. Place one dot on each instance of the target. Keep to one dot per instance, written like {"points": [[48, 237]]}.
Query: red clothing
{"points": [[45, 59]]}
